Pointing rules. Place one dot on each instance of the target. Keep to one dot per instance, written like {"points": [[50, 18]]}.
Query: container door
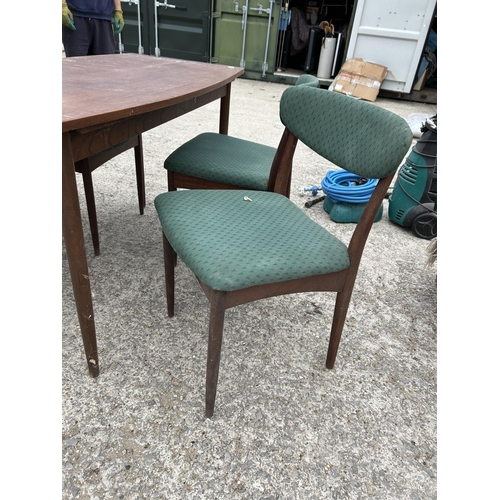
{"points": [[182, 29], [173, 28], [245, 35], [392, 33]]}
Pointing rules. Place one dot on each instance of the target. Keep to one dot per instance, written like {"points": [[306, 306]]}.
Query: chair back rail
{"points": [[281, 169], [359, 137]]}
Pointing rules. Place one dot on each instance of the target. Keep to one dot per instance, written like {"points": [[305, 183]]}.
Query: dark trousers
{"points": [[92, 37]]}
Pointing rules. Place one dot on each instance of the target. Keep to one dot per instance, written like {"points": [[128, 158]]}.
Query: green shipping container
{"points": [[178, 28], [245, 35]]}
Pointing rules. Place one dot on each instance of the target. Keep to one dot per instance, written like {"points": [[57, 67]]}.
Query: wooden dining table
{"points": [[106, 100]]}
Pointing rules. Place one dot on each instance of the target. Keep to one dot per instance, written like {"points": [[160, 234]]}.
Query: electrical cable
{"points": [[340, 185]]}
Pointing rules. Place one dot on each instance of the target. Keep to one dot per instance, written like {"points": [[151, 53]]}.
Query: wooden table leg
{"points": [[224, 111], [77, 258]]}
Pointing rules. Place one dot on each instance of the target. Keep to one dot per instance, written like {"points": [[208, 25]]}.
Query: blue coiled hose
{"points": [[340, 185]]}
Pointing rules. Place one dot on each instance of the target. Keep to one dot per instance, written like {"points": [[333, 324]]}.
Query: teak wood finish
{"points": [[107, 100]]}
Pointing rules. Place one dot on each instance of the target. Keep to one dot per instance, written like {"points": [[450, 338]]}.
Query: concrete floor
{"points": [[284, 427]]}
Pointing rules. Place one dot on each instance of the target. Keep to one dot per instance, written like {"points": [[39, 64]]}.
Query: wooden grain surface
{"points": [[99, 89]]}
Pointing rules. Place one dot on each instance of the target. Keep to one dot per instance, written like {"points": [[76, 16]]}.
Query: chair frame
{"points": [[88, 165], [341, 282]]}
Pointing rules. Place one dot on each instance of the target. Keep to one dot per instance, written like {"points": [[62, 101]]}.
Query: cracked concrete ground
{"points": [[284, 426]]}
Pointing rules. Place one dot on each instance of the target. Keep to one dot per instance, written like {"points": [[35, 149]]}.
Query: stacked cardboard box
{"points": [[360, 78]]}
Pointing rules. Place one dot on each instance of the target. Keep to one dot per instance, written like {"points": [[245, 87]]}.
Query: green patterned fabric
{"points": [[355, 135], [221, 158], [309, 80], [231, 244], [226, 159]]}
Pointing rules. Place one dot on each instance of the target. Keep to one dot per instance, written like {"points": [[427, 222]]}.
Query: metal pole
{"points": [[120, 44], [244, 28], [157, 49], [264, 64], [140, 49], [282, 34]]}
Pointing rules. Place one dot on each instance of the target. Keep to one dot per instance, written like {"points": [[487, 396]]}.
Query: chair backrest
{"points": [[309, 80], [355, 135], [280, 175]]}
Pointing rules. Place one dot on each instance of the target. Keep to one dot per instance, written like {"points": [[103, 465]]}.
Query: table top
{"points": [[100, 89]]}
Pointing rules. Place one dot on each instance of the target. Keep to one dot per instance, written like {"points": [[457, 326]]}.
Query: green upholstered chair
{"points": [[245, 245], [88, 165], [305, 79], [218, 161]]}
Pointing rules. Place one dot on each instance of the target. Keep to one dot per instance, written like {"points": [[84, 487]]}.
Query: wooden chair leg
{"points": [[217, 310], [168, 254], [139, 170], [339, 317], [171, 181], [172, 187], [289, 187], [90, 199]]}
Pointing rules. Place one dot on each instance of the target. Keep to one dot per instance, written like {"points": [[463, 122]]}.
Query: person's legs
{"points": [[103, 40], [92, 37], [77, 42]]}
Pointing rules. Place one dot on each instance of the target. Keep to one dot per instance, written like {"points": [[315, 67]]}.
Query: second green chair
{"points": [[218, 161]]}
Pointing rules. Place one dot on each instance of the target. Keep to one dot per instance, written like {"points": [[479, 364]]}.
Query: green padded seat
{"points": [[227, 160], [232, 161], [231, 244]]}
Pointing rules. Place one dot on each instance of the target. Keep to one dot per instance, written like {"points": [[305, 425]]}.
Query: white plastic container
{"points": [[326, 57]]}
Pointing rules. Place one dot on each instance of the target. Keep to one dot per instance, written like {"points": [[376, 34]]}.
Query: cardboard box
{"points": [[360, 78]]}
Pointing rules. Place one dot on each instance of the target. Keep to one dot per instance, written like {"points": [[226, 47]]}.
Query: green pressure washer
{"points": [[413, 202]]}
